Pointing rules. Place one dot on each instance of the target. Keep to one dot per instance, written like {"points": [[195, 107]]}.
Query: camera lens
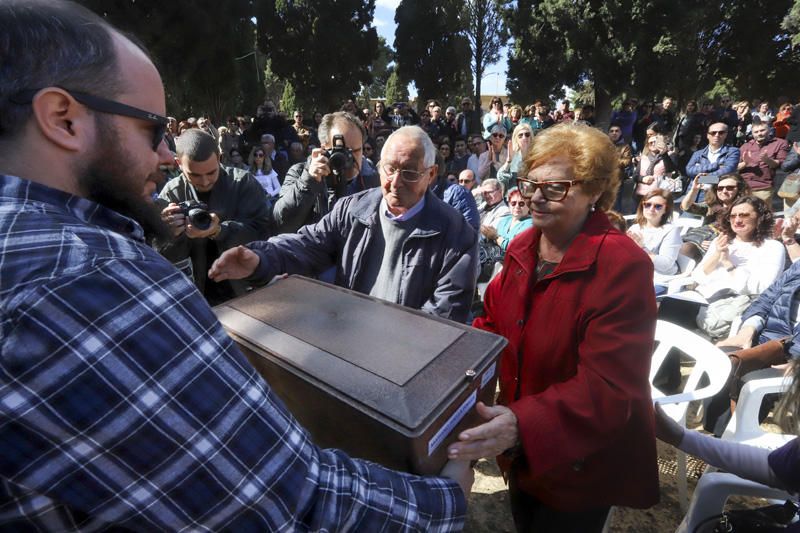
{"points": [[338, 162], [200, 218]]}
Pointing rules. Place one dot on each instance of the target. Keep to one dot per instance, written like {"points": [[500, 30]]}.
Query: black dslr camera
{"points": [[197, 213], [340, 157]]}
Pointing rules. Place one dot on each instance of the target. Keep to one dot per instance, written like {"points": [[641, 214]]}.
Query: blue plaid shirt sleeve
{"points": [[125, 404]]}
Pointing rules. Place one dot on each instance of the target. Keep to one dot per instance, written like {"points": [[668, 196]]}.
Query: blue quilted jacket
{"points": [[774, 306]]}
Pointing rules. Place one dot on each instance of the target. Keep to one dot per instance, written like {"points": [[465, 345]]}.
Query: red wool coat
{"points": [[575, 371]]}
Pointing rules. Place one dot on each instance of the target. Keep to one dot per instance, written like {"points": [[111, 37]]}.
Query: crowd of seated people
{"points": [[671, 166], [741, 261]]}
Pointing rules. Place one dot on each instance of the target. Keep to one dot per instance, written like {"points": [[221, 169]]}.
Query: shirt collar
{"points": [[86, 210], [416, 208]]}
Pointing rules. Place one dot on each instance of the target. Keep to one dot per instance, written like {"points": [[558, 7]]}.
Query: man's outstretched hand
{"points": [[236, 263]]}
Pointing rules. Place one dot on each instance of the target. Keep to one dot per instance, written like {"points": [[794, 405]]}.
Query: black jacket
{"points": [[241, 204]]}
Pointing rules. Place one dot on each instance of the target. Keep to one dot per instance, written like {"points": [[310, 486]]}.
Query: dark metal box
{"points": [[377, 380]]}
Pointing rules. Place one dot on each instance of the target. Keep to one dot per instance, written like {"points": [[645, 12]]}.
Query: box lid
{"points": [[398, 364]]}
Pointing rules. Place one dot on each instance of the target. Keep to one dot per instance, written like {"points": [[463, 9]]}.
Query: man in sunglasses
{"points": [[717, 158], [398, 242], [760, 158], [125, 405]]}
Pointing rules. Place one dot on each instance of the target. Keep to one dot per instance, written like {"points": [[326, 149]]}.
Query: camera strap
{"points": [[189, 189]]}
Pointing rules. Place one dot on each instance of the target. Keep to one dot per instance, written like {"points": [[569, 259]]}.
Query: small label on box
{"points": [[488, 375], [452, 422]]}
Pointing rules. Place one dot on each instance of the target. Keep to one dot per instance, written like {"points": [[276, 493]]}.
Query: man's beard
{"points": [[106, 180]]}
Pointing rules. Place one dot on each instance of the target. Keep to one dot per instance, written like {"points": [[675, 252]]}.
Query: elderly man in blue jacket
{"points": [[716, 159], [398, 242]]}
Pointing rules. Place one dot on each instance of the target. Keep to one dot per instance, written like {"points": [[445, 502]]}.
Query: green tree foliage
{"points": [[324, 48], [486, 33], [558, 43], [649, 47], [288, 100], [750, 48], [582, 95], [791, 22], [431, 49], [379, 70], [273, 85], [396, 90], [195, 44]]}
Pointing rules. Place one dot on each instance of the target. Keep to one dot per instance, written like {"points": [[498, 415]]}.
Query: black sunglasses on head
{"points": [[111, 107]]}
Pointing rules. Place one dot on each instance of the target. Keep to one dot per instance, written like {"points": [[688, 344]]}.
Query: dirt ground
{"points": [[489, 509]]}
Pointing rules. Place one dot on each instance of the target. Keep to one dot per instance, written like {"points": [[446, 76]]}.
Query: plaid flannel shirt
{"points": [[124, 404]]}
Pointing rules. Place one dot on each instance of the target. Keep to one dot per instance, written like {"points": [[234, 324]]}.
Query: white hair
{"points": [[417, 134]]}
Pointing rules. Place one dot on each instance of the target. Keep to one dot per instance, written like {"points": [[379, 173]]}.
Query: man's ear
{"points": [[434, 172], [62, 120]]}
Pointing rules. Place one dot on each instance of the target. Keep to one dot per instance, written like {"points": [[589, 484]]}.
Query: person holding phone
{"points": [[718, 199], [716, 159]]}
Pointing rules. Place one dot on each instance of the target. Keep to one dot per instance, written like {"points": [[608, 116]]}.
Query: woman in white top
{"points": [[261, 169], [654, 233], [744, 258], [742, 261]]}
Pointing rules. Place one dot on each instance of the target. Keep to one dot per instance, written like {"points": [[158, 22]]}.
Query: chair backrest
{"points": [[709, 360], [498, 266], [686, 222], [744, 424]]}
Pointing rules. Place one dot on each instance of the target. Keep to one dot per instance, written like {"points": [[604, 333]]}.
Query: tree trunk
{"points": [[478, 79], [602, 105], [478, 94]]}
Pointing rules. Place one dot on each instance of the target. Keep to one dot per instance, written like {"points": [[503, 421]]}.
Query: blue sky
{"points": [[494, 80]]}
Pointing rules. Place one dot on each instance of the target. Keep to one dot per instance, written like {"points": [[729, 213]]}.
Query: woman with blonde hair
{"points": [[573, 425], [515, 115], [517, 150]]}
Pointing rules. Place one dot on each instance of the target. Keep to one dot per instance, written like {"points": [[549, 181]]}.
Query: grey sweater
{"points": [[388, 266]]}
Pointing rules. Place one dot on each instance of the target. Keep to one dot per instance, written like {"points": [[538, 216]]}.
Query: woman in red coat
{"points": [[573, 427]]}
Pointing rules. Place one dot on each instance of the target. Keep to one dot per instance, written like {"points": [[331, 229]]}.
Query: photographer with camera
{"points": [[209, 209], [399, 242], [335, 170]]}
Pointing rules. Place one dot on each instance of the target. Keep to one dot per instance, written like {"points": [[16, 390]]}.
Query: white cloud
{"points": [[389, 4]]}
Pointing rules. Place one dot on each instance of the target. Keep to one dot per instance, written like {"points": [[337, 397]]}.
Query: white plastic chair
{"points": [[685, 267], [495, 271], [709, 360], [685, 223], [743, 426], [714, 488], [679, 284]]}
